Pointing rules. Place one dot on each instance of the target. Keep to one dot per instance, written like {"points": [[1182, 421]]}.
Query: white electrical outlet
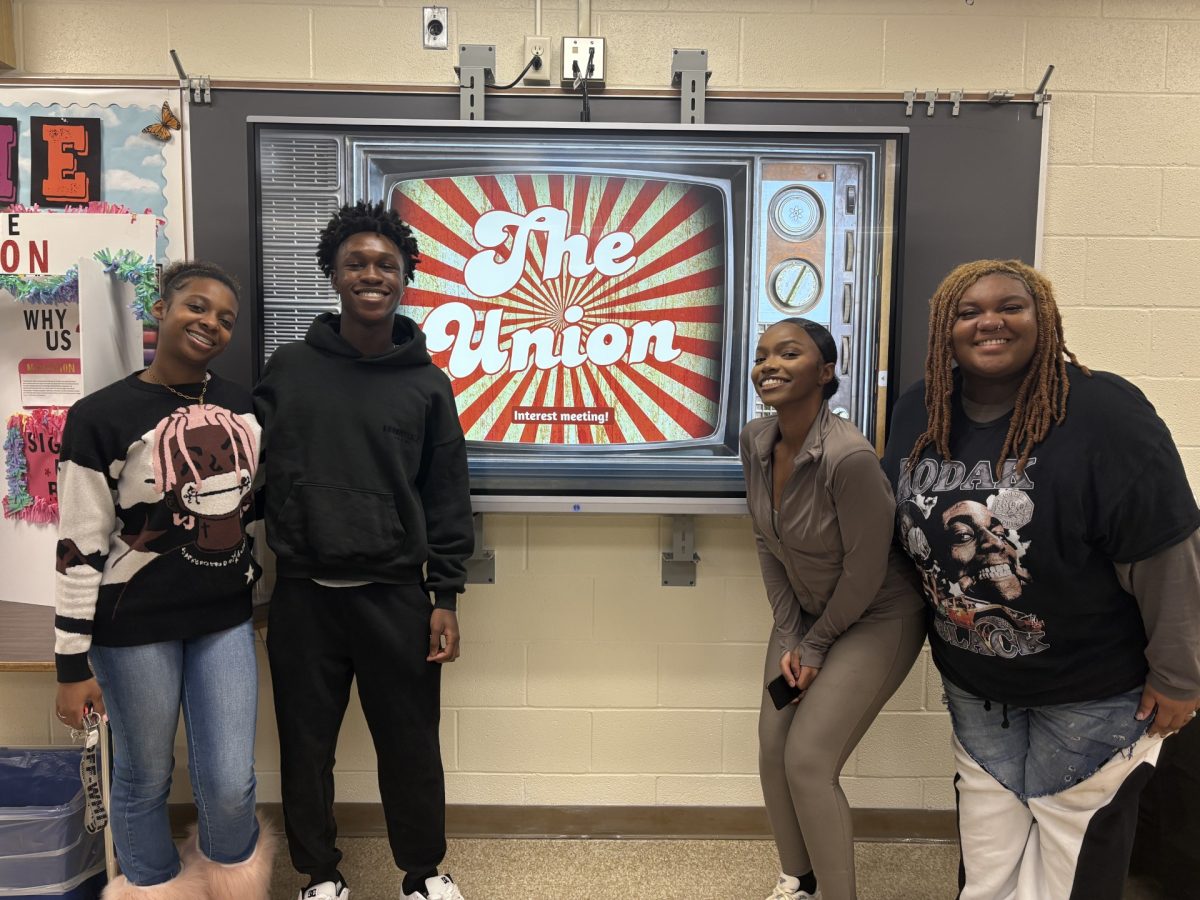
{"points": [[575, 50], [539, 47]]}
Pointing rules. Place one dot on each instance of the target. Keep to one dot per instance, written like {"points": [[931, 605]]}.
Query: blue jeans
{"points": [[1044, 749], [215, 679]]}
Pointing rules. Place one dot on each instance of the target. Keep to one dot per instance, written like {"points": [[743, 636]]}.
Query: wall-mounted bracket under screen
{"points": [[596, 294]]}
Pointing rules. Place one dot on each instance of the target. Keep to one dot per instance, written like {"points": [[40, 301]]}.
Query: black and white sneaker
{"points": [[326, 890], [788, 888], [439, 887]]}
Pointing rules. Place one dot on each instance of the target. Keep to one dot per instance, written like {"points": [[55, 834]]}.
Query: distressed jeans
{"points": [[1044, 749]]}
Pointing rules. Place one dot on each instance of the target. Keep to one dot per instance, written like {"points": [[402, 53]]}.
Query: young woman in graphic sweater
{"points": [[153, 600], [1047, 513]]}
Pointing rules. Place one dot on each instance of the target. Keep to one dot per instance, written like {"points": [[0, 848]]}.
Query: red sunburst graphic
{"points": [[678, 278]]}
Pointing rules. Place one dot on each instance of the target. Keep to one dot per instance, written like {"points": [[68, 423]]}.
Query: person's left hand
{"points": [[443, 624], [808, 674], [1172, 714]]}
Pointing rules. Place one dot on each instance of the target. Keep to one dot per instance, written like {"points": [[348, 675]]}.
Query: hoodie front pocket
{"points": [[339, 526]]}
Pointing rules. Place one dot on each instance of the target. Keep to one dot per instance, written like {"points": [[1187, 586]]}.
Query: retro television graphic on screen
{"points": [[595, 295], [573, 309]]}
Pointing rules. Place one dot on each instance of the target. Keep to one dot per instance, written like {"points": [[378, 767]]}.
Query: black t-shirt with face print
{"points": [[1018, 570]]}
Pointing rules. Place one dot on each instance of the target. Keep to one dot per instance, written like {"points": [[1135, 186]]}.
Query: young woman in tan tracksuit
{"points": [[848, 619]]}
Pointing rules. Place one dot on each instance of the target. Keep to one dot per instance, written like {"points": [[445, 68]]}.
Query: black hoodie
{"points": [[366, 465]]}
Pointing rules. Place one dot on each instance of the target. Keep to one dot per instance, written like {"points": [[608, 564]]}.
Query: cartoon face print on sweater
{"points": [[962, 528], [204, 458]]}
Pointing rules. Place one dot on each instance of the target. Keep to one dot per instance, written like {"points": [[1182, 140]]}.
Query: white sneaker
{"points": [[788, 888], [439, 887], [326, 890]]}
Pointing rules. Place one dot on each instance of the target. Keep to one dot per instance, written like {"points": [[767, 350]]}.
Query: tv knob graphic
{"points": [[795, 286], [796, 213]]}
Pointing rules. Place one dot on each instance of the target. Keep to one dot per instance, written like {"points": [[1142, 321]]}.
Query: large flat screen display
{"points": [[595, 294]]}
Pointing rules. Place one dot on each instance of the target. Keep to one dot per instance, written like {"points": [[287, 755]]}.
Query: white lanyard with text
{"points": [[95, 816]]}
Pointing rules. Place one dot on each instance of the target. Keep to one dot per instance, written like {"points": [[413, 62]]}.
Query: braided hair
{"points": [[1041, 399], [372, 217], [177, 276]]}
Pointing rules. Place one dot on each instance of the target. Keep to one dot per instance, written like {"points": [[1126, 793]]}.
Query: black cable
{"points": [[535, 59], [585, 114]]}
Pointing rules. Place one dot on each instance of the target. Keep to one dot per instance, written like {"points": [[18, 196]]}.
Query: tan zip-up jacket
{"points": [[829, 562]]}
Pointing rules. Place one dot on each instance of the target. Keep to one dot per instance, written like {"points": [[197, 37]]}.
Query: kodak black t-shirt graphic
{"points": [[1017, 567], [962, 529]]}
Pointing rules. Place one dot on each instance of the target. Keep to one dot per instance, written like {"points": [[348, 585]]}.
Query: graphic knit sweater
{"points": [[154, 504]]}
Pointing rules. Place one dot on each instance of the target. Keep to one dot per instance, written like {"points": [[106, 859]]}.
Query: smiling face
{"points": [[368, 275], [995, 331], [788, 367], [196, 322], [986, 562]]}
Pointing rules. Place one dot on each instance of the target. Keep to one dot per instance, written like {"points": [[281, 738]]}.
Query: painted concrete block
{"points": [[524, 741], [656, 741], [1096, 55], [722, 676], [591, 674], [839, 52], [906, 744]]}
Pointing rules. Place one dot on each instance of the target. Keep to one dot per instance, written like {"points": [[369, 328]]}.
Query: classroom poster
{"points": [[75, 290], [104, 149]]}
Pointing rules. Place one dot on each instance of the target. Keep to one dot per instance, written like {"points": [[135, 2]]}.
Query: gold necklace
{"points": [[203, 387]]}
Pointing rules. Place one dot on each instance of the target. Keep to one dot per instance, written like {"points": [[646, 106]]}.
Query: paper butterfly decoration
{"points": [[162, 130]]}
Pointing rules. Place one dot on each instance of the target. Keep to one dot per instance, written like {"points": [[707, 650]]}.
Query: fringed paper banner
{"points": [[142, 273], [31, 448], [43, 289]]}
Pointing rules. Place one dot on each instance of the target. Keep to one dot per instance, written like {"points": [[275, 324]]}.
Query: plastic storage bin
{"points": [[44, 850]]}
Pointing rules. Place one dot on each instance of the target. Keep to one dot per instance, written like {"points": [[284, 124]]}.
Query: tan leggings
{"points": [[803, 747]]}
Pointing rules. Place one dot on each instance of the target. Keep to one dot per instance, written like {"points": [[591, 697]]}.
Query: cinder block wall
{"points": [[582, 680]]}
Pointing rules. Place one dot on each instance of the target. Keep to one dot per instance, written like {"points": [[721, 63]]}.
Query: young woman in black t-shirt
{"points": [[1049, 517]]}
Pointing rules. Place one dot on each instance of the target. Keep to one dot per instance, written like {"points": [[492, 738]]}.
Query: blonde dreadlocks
{"points": [[1041, 400]]}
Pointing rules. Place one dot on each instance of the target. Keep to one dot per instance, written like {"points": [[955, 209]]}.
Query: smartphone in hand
{"points": [[781, 692]]}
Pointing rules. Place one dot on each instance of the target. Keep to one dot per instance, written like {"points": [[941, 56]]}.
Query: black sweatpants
{"points": [[319, 639]]}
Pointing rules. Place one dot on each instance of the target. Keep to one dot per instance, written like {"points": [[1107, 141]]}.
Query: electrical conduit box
{"points": [[576, 50]]}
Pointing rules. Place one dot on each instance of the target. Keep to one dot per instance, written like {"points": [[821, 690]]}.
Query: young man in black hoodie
{"points": [[368, 511]]}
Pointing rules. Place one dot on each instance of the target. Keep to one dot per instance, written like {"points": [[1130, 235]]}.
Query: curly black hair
{"points": [[364, 216], [176, 277]]}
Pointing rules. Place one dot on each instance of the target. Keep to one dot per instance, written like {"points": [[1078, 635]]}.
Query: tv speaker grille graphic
{"points": [[301, 188]]}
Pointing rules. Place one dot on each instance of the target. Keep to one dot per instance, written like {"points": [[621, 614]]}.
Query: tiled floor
{"points": [[644, 870]]}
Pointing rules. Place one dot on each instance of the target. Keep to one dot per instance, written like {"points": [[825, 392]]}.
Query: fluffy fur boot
{"points": [[189, 884], [247, 880]]}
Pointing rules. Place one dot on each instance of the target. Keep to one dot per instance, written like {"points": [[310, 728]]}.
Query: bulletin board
{"points": [[92, 204]]}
